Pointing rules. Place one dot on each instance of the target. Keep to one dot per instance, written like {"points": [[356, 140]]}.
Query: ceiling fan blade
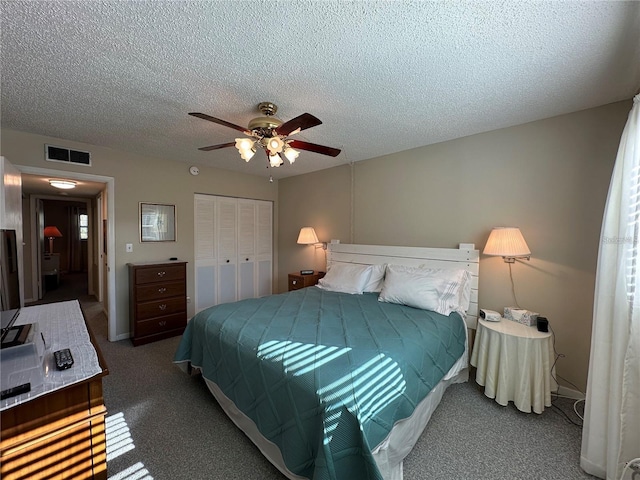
{"points": [[314, 147], [204, 116], [216, 147], [304, 121]]}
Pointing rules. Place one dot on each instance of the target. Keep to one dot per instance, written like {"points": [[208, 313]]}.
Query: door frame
{"points": [[111, 237]]}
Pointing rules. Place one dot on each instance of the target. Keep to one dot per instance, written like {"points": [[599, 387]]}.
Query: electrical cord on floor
{"points": [[633, 464], [553, 375], [575, 408], [567, 417]]}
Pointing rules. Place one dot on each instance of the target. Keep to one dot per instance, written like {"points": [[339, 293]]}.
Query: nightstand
{"points": [[514, 363], [297, 281]]}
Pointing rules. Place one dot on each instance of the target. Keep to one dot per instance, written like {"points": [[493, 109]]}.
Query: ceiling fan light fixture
{"points": [[275, 145], [275, 160], [291, 154], [244, 144], [246, 155], [271, 135]]}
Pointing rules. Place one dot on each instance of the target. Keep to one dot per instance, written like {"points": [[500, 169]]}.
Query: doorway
{"points": [[66, 269], [101, 227]]}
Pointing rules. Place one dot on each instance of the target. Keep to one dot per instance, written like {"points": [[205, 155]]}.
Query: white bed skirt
{"points": [[388, 455]]}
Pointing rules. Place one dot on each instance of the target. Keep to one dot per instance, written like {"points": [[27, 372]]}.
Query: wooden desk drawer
{"points": [[161, 273], [160, 291], [159, 308], [66, 454], [295, 283], [162, 324]]}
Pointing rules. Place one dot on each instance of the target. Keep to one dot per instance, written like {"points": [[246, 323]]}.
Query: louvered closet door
{"points": [[233, 249], [227, 234], [264, 248], [206, 264], [246, 249]]}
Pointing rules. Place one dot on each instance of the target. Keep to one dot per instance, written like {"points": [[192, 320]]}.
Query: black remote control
{"points": [[12, 392], [63, 358]]}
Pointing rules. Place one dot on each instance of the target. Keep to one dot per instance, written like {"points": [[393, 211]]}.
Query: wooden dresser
{"points": [[157, 300], [61, 433]]}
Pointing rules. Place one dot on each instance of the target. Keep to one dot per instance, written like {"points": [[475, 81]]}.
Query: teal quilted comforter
{"points": [[323, 375]]}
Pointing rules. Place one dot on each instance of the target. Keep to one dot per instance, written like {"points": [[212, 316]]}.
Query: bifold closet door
{"points": [[227, 236], [233, 249], [205, 257], [264, 249], [246, 249]]}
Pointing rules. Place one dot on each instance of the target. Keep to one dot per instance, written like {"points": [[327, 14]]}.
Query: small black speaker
{"points": [[543, 324]]}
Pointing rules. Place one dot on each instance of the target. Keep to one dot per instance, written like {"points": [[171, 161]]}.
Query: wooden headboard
{"points": [[466, 258]]}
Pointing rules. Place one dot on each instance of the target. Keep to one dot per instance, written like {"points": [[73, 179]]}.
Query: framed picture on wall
{"points": [[157, 222]]}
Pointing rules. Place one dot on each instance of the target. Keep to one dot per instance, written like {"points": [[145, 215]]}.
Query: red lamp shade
{"points": [[51, 232]]}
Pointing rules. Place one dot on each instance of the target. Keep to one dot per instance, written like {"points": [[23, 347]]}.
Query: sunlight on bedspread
{"points": [[363, 392], [323, 375]]}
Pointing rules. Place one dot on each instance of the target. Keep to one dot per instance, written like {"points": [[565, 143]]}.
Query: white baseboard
{"points": [[568, 392], [123, 336]]}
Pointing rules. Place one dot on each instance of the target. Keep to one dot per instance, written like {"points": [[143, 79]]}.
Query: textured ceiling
{"points": [[382, 76]]}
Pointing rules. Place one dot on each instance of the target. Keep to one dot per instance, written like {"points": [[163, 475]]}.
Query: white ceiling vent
{"points": [[61, 154]]}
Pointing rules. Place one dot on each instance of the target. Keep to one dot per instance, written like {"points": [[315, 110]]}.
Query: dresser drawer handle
{"points": [[162, 323], [162, 290], [294, 282], [163, 306], [162, 274], [227, 261]]}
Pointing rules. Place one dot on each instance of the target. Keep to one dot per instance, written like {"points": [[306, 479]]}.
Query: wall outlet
{"points": [[129, 247]]}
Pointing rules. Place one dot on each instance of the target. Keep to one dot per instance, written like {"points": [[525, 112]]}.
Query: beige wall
{"points": [[549, 177], [137, 179], [320, 200]]}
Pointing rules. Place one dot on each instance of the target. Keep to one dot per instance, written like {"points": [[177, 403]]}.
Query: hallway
{"points": [[72, 286]]}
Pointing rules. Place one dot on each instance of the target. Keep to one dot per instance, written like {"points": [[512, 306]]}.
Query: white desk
{"points": [[514, 363]]}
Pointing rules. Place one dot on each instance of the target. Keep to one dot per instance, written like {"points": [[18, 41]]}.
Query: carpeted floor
{"points": [[163, 424], [70, 287]]}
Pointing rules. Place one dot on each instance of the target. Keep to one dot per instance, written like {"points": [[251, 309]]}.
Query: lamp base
{"points": [[306, 272]]}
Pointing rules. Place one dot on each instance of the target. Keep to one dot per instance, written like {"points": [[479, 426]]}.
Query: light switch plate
{"points": [[129, 247]]}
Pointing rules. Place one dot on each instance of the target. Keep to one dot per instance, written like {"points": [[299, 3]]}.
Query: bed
{"points": [[339, 380]]}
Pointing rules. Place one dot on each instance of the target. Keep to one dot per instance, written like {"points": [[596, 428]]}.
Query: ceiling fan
{"points": [[272, 135]]}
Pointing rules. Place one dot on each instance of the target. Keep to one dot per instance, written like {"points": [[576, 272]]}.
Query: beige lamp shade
{"points": [[307, 236], [507, 242]]}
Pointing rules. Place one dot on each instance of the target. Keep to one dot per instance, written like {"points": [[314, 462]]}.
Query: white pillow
{"points": [[346, 278], [464, 277], [426, 288], [376, 279]]}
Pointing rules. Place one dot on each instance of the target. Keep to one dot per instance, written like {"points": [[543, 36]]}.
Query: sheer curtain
{"points": [[611, 432]]}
